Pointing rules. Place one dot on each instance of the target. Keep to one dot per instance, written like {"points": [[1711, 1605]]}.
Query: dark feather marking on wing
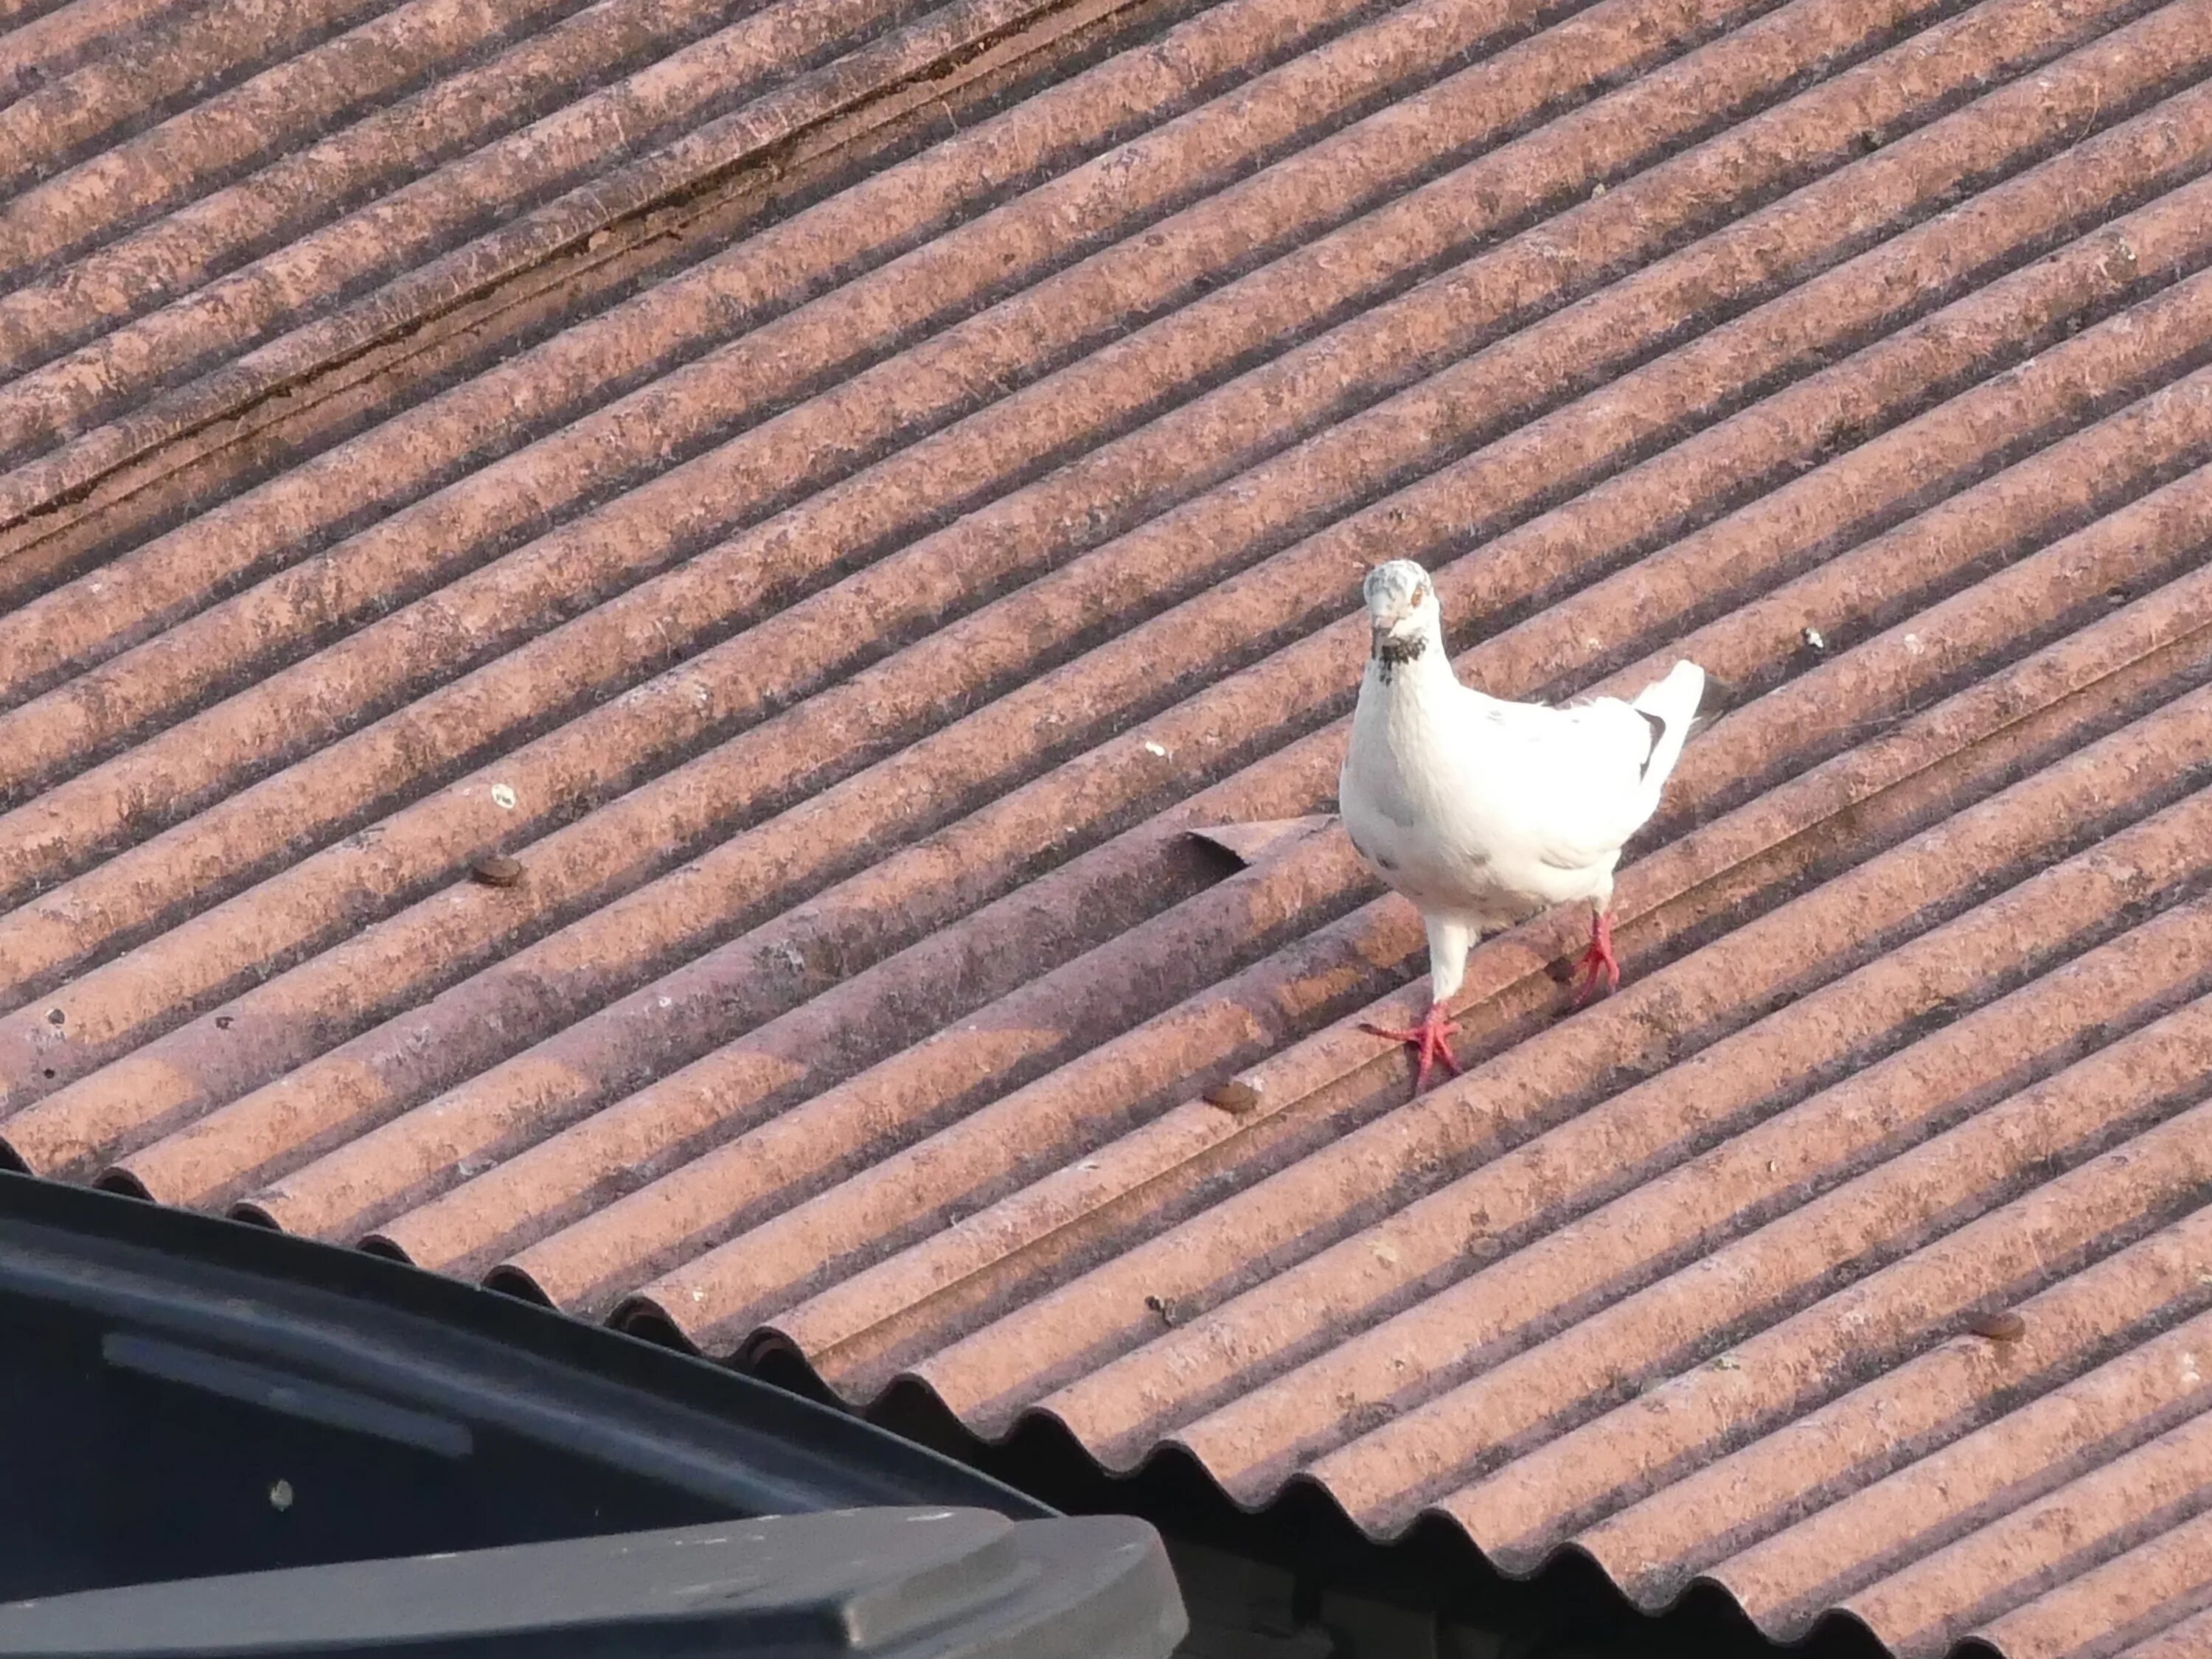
{"points": [[1658, 731]]}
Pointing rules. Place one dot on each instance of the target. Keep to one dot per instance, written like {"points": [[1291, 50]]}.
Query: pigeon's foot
{"points": [[1599, 962], [1428, 1040]]}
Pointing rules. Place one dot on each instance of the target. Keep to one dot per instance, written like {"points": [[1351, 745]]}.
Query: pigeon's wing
{"points": [[1575, 783]]}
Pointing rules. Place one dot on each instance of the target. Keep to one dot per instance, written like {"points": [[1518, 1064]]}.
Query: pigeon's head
{"points": [[1401, 604]]}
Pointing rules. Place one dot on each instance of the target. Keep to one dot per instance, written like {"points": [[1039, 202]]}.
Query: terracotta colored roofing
{"points": [[833, 493]]}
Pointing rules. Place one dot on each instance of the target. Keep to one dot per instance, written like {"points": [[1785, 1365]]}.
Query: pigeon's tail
{"points": [[1672, 703]]}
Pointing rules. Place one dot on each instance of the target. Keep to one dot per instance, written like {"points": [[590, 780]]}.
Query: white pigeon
{"points": [[1484, 812]]}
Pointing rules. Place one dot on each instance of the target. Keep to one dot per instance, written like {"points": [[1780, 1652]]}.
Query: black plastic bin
{"points": [[216, 1439]]}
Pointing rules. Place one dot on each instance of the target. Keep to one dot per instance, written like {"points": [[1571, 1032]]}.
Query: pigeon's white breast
{"points": [[1428, 795]]}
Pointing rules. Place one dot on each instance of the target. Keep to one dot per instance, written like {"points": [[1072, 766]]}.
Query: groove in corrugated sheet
{"points": [[848, 626]]}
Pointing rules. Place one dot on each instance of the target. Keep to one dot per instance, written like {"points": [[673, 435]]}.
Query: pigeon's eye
{"points": [[1421, 594]]}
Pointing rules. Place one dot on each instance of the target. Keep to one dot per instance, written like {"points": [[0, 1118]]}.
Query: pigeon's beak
{"points": [[1390, 621]]}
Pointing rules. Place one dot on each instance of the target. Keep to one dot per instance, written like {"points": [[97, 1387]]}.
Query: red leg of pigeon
{"points": [[1598, 960], [1427, 1040]]}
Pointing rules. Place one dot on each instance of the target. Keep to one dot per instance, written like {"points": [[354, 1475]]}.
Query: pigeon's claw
{"points": [[1429, 1040], [1598, 960]]}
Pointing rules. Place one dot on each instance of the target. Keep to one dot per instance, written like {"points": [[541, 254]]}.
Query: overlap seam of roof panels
{"points": [[837, 495]]}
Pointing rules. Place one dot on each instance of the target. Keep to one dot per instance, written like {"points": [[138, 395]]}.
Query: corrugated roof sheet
{"points": [[838, 491]]}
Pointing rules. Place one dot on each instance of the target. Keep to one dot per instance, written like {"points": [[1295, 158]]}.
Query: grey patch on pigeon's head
{"points": [[1395, 591], [1401, 609]]}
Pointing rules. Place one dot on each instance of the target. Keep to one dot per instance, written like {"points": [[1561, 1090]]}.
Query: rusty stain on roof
{"points": [[691, 658]]}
